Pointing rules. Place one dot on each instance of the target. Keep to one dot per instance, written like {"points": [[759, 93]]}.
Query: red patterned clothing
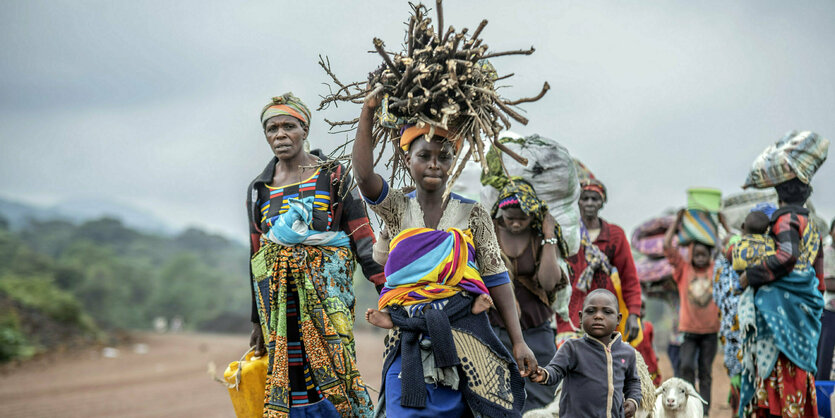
{"points": [[794, 249], [612, 242], [788, 392], [648, 352], [698, 313]]}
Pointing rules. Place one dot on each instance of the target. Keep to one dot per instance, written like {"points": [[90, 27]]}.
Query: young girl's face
{"points": [[516, 220], [429, 163], [600, 316], [701, 256]]}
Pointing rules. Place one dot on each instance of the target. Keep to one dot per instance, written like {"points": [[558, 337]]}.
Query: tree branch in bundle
{"points": [[545, 88], [501, 54], [510, 112], [440, 79], [378, 45], [478, 30], [440, 9]]}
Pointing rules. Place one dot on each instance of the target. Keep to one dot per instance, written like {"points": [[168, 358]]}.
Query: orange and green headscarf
{"points": [[286, 104]]}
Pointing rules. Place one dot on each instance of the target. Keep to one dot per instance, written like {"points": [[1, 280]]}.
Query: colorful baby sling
{"points": [[425, 264]]}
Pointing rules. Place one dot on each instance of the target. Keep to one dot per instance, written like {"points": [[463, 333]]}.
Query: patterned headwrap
{"points": [[411, 132], [286, 104], [595, 185], [519, 193]]}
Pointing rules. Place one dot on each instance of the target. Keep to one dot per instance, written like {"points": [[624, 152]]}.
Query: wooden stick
{"points": [[503, 148], [439, 7], [545, 88], [479, 29], [519, 52], [378, 45], [510, 112]]}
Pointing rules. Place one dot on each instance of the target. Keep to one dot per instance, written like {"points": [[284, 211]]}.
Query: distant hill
{"points": [[62, 280], [78, 210]]}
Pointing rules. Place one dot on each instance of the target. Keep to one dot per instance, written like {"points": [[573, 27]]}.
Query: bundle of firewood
{"points": [[442, 79]]}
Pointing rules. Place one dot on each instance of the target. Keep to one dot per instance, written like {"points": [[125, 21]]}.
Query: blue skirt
{"points": [[441, 401]]}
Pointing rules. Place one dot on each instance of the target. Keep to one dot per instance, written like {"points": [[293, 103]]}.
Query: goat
{"points": [[677, 398]]}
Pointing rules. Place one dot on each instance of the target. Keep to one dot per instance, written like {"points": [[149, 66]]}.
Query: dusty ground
{"points": [[171, 379]]}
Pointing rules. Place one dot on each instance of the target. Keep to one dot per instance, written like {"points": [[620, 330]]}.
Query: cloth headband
{"points": [[413, 132], [286, 104], [599, 188], [509, 201]]}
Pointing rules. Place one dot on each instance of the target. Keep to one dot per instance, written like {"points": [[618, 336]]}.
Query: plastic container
{"points": [[246, 380], [706, 199]]}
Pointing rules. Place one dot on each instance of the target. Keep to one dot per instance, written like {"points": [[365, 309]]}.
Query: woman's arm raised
{"points": [[549, 273], [369, 182]]}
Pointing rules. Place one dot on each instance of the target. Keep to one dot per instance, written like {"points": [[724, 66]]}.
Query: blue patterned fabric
{"points": [[725, 280], [786, 318], [293, 227]]}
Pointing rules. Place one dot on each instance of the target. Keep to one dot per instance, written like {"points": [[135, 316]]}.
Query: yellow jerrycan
{"points": [[246, 380]]}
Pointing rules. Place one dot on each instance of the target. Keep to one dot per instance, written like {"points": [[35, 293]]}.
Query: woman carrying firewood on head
{"points": [[443, 268]]}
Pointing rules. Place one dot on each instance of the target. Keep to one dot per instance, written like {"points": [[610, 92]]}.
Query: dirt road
{"points": [[170, 380]]}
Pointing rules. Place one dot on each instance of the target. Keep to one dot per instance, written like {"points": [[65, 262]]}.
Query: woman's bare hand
{"points": [[256, 339]]}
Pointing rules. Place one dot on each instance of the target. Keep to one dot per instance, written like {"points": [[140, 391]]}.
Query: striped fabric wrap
{"points": [[697, 225], [286, 104], [426, 264]]}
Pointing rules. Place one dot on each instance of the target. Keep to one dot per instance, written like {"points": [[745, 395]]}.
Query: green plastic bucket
{"points": [[706, 199]]}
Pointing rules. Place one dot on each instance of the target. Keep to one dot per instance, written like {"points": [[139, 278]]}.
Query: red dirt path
{"points": [[171, 380]]}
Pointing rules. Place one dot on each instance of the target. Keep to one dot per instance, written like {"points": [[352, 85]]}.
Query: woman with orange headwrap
{"points": [[442, 357], [307, 232]]}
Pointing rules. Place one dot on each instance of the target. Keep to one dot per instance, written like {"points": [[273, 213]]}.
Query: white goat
{"points": [[676, 398]]}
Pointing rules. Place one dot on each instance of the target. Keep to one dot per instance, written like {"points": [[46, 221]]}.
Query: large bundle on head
{"points": [[550, 170], [796, 155], [442, 80]]}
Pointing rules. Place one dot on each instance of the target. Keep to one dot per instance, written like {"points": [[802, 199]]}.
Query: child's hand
{"points": [[538, 376], [743, 280], [629, 409]]}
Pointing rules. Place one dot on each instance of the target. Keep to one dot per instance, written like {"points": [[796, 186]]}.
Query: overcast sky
{"points": [[156, 103]]}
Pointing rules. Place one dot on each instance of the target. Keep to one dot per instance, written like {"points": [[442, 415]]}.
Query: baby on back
{"points": [[755, 244]]}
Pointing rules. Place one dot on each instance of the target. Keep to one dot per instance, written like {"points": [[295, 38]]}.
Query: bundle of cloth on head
{"points": [[408, 134], [796, 155], [698, 226], [286, 104]]}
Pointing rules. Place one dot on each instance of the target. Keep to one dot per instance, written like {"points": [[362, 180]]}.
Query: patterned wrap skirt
{"points": [[305, 301]]}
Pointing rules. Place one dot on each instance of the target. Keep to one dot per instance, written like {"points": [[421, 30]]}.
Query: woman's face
{"points": [[590, 204], [429, 163], [286, 135], [516, 220]]}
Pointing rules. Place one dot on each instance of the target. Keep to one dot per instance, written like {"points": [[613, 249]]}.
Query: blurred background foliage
{"points": [[63, 282]]}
